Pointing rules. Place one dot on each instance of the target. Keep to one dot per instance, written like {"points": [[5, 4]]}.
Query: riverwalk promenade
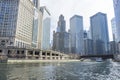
{"points": [[33, 55], [39, 61]]}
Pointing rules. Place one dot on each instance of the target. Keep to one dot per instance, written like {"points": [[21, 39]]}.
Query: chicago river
{"points": [[61, 71]]}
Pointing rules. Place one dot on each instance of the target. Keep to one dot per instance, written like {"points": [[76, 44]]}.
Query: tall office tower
{"points": [[117, 16], [36, 3], [77, 37], [61, 24], [99, 32], [58, 37], [37, 29], [46, 26], [15, 26], [77, 34], [114, 30], [67, 42], [61, 29], [61, 37]]}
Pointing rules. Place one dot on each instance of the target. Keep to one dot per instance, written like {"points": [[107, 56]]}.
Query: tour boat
{"points": [[99, 60]]}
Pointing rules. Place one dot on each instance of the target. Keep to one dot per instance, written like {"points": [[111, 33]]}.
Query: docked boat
{"points": [[99, 59]]}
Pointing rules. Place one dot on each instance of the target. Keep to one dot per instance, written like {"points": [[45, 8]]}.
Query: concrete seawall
{"points": [[39, 61]]}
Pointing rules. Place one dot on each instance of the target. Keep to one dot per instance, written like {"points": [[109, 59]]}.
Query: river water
{"points": [[61, 71]]}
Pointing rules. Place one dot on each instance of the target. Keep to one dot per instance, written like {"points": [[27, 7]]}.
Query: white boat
{"points": [[99, 59]]}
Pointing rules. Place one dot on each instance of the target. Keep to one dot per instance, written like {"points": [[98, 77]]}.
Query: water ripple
{"points": [[61, 71]]}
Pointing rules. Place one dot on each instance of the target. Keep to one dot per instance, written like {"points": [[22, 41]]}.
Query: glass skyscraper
{"points": [[35, 28], [114, 30], [15, 26], [77, 34], [46, 26], [99, 32], [8, 20], [117, 16]]}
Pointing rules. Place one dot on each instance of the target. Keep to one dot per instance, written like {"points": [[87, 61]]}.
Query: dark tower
{"points": [[61, 24], [60, 37]]}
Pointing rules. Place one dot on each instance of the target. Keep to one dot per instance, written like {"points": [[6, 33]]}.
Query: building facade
{"points": [[77, 34], [46, 26], [88, 46], [58, 37], [99, 32], [61, 37], [117, 16], [67, 42], [113, 47], [16, 27], [37, 29], [114, 30]]}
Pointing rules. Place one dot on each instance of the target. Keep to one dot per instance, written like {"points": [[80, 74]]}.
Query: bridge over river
{"points": [[103, 56]]}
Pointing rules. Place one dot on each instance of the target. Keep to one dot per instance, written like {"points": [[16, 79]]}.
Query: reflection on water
{"points": [[61, 71]]}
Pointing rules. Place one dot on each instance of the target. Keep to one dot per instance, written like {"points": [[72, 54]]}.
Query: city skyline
{"points": [[82, 8]]}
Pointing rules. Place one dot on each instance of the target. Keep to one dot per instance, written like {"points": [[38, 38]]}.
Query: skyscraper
{"points": [[61, 37], [61, 28], [99, 32], [117, 16], [46, 26], [37, 29], [76, 32], [15, 26], [114, 30]]}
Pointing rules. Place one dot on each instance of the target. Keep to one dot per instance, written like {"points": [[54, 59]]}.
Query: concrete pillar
{"points": [[26, 54], [4, 52], [20, 53], [58, 56], [33, 56], [46, 55], [40, 54], [33, 52], [61, 57], [50, 55]]}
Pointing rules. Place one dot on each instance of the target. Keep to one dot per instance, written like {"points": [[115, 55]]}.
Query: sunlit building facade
{"points": [[15, 26]]}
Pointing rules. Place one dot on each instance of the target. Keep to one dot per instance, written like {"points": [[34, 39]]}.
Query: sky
{"points": [[85, 8]]}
